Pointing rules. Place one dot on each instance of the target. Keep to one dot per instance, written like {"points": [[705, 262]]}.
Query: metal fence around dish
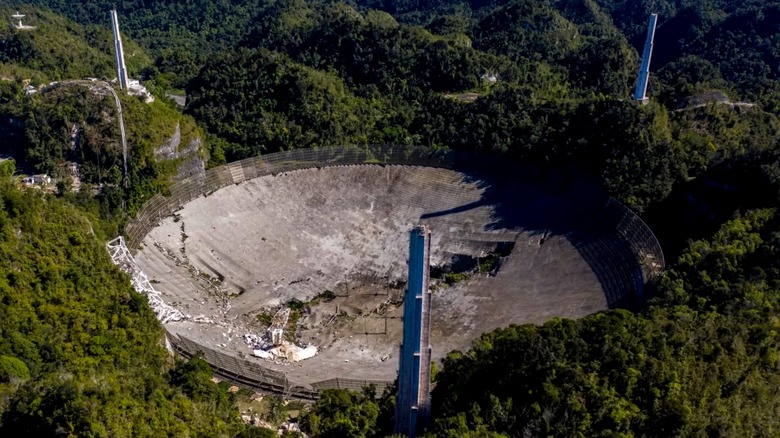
{"points": [[252, 375]]}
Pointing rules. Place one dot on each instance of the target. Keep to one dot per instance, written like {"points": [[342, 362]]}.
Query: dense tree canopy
{"points": [[701, 359], [79, 351], [269, 103]]}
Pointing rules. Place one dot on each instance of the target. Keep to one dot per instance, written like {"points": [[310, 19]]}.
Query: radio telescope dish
{"points": [[18, 17]]}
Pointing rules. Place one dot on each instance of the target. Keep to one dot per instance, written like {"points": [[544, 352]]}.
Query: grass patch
{"points": [[291, 331], [466, 269], [324, 297], [295, 304], [456, 277], [488, 264]]}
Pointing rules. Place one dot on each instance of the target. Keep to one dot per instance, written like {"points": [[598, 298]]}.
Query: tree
{"points": [[340, 413]]}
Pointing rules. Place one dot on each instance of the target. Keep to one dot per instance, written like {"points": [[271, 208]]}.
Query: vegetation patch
{"points": [[468, 267]]}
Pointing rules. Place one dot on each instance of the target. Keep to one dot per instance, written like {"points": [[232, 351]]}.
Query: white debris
{"points": [[121, 257], [489, 78], [299, 354], [263, 348], [261, 354]]}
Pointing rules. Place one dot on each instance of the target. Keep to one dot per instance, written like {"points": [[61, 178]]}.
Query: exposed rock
{"points": [[190, 162]]}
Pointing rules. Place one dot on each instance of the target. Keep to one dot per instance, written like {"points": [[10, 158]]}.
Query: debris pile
{"points": [[271, 344], [121, 257], [258, 342], [286, 352]]}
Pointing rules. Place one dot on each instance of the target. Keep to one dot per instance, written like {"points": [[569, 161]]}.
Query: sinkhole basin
{"points": [[328, 234]]}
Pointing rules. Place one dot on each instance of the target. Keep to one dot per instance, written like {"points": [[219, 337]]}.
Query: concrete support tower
{"points": [[121, 70], [644, 70], [412, 405]]}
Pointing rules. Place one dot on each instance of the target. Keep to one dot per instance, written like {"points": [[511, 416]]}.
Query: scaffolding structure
{"points": [[121, 257]]}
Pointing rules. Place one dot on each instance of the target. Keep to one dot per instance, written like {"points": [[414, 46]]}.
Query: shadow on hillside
{"points": [[548, 202]]}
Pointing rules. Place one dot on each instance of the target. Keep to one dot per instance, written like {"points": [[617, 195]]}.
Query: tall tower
{"points": [[121, 70], [412, 405], [644, 70]]}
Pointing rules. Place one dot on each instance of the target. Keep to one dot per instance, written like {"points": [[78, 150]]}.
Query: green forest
{"points": [[546, 82]]}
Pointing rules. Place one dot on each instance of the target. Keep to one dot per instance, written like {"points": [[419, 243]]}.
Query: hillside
{"points": [[67, 126], [59, 49], [80, 351], [544, 82]]}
